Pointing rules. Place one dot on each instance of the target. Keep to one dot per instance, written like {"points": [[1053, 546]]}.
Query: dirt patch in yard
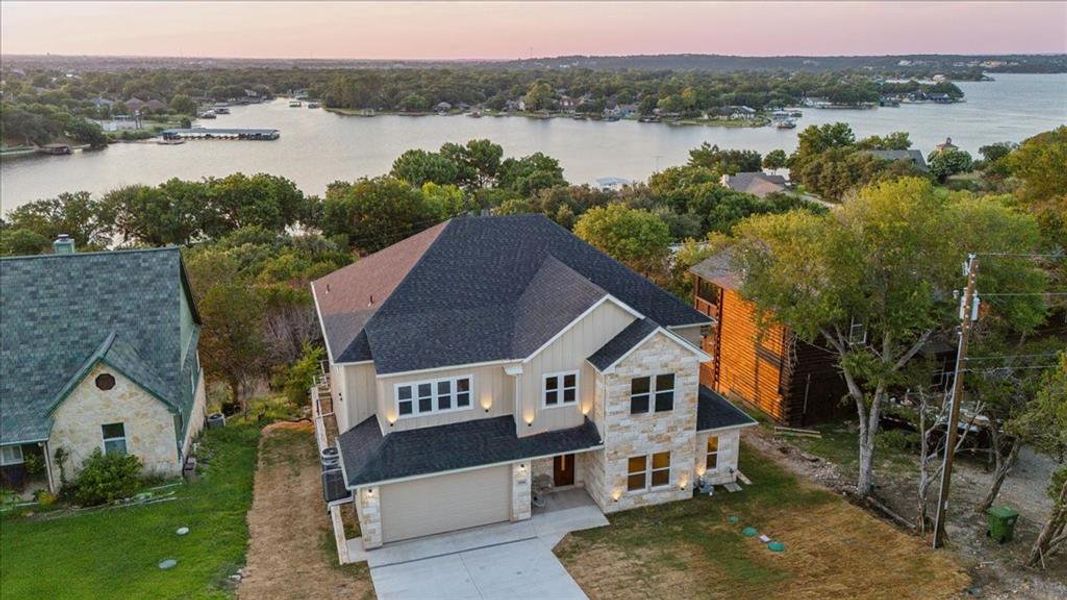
{"points": [[292, 552], [694, 548]]}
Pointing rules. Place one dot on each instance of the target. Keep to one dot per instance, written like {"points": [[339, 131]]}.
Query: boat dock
{"points": [[205, 133]]}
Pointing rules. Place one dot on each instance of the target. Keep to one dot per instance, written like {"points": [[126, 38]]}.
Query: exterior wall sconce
{"points": [[616, 495]]}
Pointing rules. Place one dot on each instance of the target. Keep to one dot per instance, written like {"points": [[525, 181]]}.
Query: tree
{"points": [[268, 201], [528, 174], [374, 213], [1038, 163], [898, 140], [231, 343], [540, 96], [183, 105], [419, 166], [76, 214], [22, 242], [724, 161], [775, 159], [479, 162], [445, 201], [945, 163], [1047, 424], [637, 238], [86, 132], [883, 262], [171, 213]]}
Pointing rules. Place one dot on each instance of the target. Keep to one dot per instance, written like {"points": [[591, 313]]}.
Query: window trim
{"points": [[708, 454], [649, 470], [652, 391], [21, 456], [125, 438], [434, 396], [562, 403]]}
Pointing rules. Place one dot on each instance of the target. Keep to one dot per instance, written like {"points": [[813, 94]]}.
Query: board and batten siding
{"points": [[493, 395], [567, 353], [359, 394]]}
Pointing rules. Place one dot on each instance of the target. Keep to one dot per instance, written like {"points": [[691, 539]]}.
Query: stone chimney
{"points": [[64, 244]]}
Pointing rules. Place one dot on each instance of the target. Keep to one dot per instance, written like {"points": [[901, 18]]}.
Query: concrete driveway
{"points": [[522, 569], [506, 561]]}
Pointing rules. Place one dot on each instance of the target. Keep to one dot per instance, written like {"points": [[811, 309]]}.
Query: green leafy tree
{"points": [[637, 238], [76, 214], [86, 132], [478, 160], [540, 96], [527, 175], [171, 213], [883, 261], [1038, 163], [724, 161], [374, 213], [898, 140], [419, 166], [945, 163], [301, 375], [22, 242], [231, 340], [106, 478], [445, 201], [183, 105], [775, 159], [268, 201]]}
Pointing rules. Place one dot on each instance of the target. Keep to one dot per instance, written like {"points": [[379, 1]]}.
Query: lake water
{"points": [[317, 147]]}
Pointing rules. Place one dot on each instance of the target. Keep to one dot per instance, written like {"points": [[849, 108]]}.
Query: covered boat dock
{"points": [[205, 133]]}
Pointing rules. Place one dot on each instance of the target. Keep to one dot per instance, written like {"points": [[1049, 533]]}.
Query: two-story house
{"points": [[486, 352], [98, 351]]}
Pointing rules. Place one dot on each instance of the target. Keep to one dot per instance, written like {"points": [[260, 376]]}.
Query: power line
{"points": [[1011, 356], [1023, 255], [1055, 293]]}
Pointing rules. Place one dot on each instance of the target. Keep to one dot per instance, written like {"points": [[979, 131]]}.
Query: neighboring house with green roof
{"points": [[98, 350]]}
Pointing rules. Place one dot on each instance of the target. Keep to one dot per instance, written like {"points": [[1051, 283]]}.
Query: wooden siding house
{"points": [[792, 381]]}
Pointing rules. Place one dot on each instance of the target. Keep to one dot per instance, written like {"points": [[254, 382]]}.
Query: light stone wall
{"points": [[196, 416], [148, 422], [542, 466], [520, 491], [627, 435], [726, 469], [369, 511]]}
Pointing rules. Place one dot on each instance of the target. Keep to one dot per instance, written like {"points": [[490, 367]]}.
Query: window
{"points": [[560, 389], [11, 455], [428, 397], [114, 438], [105, 381], [648, 393], [712, 460], [648, 472]]}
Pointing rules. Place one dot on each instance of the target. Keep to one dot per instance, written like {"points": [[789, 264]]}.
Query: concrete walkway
{"points": [[505, 561]]}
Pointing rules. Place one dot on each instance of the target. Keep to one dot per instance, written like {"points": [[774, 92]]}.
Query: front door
{"points": [[563, 470]]}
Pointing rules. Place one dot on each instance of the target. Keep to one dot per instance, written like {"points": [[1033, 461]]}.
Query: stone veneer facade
{"points": [[627, 435], [521, 506], [369, 514], [726, 469], [148, 423]]}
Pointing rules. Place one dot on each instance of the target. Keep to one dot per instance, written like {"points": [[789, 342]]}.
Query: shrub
{"points": [[107, 477]]}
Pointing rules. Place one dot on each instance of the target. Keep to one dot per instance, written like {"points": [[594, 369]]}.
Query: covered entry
{"points": [[445, 503]]}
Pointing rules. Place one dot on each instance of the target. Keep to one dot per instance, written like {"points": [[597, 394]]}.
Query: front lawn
{"points": [[692, 549], [114, 553]]}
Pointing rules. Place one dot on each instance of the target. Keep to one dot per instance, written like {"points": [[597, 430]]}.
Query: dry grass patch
{"points": [[690, 549], [292, 553]]}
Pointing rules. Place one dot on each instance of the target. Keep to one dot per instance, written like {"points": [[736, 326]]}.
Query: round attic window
{"points": [[105, 381]]}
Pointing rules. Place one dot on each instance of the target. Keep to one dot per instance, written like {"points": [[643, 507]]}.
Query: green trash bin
{"points": [[1001, 523]]}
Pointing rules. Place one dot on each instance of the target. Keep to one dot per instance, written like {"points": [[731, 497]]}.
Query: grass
{"points": [[692, 548], [839, 444], [114, 553]]}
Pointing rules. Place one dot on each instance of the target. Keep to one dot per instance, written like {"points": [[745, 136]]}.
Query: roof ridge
{"points": [[92, 253]]}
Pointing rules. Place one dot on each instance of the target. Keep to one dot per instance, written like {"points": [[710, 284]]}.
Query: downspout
{"points": [[48, 468]]}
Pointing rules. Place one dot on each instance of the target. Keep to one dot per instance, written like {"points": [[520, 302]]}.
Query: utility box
{"points": [[1001, 521]]}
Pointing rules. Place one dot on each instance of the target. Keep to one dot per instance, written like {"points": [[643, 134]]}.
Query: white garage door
{"points": [[445, 503]]}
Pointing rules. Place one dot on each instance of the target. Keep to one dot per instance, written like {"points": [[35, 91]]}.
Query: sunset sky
{"points": [[448, 30]]}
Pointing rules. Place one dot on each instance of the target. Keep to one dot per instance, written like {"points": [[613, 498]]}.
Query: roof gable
{"points": [[62, 313], [494, 288]]}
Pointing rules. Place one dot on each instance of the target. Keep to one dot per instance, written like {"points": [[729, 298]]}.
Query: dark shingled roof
{"points": [[62, 313], [715, 412], [757, 183], [914, 156], [619, 345], [480, 289], [369, 457]]}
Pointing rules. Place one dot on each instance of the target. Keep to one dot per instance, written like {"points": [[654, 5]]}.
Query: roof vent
{"points": [[64, 244]]}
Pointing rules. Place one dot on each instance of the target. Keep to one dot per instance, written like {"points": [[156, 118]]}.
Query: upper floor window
{"points": [[560, 389], [648, 394], [11, 455], [435, 396], [114, 438]]}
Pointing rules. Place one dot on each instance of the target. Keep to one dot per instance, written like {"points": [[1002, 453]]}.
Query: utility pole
{"points": [[968, 315]]}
